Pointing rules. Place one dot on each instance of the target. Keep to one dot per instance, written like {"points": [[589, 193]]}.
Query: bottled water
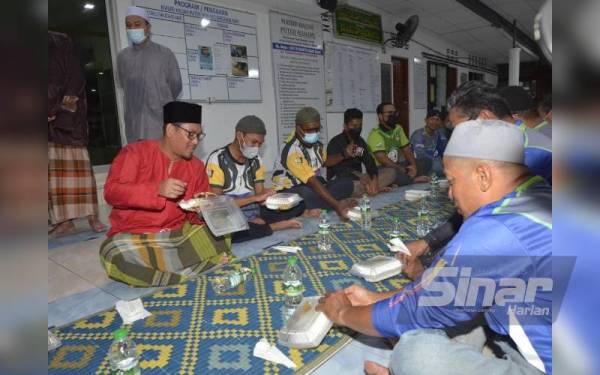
{"points": [[232, 279], [395, 232], [365, 211], [435, 185], [324, 237], [122, 356], [423, 220], [292, 283]]}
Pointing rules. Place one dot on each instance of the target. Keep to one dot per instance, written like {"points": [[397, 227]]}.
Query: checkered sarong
{"points": [[164, 258], [71, 183]]}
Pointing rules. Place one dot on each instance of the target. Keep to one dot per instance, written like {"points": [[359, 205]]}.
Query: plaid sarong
{"points": [[71, 183], [164, 258]]}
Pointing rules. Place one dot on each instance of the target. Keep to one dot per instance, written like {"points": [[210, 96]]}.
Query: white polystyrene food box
{"points": [[307, 327], [283, 201], [377, 268]]}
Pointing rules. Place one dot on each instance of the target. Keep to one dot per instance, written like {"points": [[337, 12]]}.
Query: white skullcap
{"points": [[487, 140], [137, 11]]}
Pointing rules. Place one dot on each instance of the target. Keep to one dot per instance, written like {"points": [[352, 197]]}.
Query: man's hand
{"points": [[418, 248], [69, 103], [349, 150], [343, 206], [373, 186], [333, 305], [411, 264], [411, 171], [264, 195], [172, 188], [360, 296]]}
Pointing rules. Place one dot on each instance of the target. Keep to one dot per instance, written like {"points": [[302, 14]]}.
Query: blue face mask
{"points": [[311, 138], [136, 36]]}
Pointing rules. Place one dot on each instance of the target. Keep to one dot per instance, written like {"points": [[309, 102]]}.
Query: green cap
{"points": [[306, 115], [120, 333], [292, 260]]}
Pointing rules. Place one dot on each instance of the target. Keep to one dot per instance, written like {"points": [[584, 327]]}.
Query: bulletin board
{"points": [[352, 78], [216, 48]]}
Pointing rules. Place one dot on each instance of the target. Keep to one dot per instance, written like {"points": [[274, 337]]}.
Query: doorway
{"points": [[400, 89], [441, 82]]}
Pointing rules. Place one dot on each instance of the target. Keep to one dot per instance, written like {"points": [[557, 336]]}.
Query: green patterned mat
{"points": [[194, 331]]}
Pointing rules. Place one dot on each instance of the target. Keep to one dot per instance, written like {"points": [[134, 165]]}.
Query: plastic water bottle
{"points": [[292, 283], [423, 223], [395, 232], [122, 356], [435, 185], [232, 279], [324, 237], [365, 211]]}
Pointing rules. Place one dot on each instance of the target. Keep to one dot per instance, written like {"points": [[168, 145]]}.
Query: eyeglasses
{"points": [[192, 135]]}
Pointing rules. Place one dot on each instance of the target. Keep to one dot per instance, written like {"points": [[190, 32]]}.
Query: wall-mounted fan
{"points": [[404, 31]]}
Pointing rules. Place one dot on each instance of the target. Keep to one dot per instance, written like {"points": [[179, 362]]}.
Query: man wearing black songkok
{"points": [[152, 241]]}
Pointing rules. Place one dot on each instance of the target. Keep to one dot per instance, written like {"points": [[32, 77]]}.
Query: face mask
{"points": [[354, 133], [311, 138], [392, 120], [136, 36], [249, 152]]}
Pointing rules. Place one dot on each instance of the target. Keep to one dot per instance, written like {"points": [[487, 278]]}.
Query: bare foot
{"points": [[96, 224], [257, 220], [420, 179], [286, 224], [373, 368], [313, 212], [62, 229]]}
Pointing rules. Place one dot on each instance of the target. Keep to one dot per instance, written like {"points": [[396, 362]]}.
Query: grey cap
{"points": [[251, 124], [306, 115], [487, 140]]}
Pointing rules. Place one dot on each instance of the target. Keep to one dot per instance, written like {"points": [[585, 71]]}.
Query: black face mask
{"points": [[390, 124], [355, 133]]}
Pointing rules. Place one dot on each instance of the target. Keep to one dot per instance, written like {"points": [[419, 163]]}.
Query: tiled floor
{"points": [[78, 286]]}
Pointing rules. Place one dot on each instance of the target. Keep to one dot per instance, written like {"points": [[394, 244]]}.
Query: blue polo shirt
{"points": [[507, 243]]}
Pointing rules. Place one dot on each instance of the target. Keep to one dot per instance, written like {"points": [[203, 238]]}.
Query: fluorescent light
{"points": [[253, 73], [100, 73], [93, 90], [417, 60], [88, 6], [204, 22]]}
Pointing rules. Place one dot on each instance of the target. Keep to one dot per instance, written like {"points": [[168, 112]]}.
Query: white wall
{"points": [[219, 119]]}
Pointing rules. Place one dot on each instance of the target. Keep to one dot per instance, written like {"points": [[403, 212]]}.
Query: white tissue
{"points": [[288, 249], [131, 311], [396, 245], [264, 350]]}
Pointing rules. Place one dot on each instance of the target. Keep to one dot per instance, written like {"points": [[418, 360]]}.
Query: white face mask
{"points": [[249, 152]]}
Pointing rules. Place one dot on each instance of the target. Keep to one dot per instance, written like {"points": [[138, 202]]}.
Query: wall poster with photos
{"points": [[216, 48]]}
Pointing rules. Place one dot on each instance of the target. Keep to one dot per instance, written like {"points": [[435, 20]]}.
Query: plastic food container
{"points": [[222, 215], [414, 195], [283, 201], [307, 327], [377, 268]]}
